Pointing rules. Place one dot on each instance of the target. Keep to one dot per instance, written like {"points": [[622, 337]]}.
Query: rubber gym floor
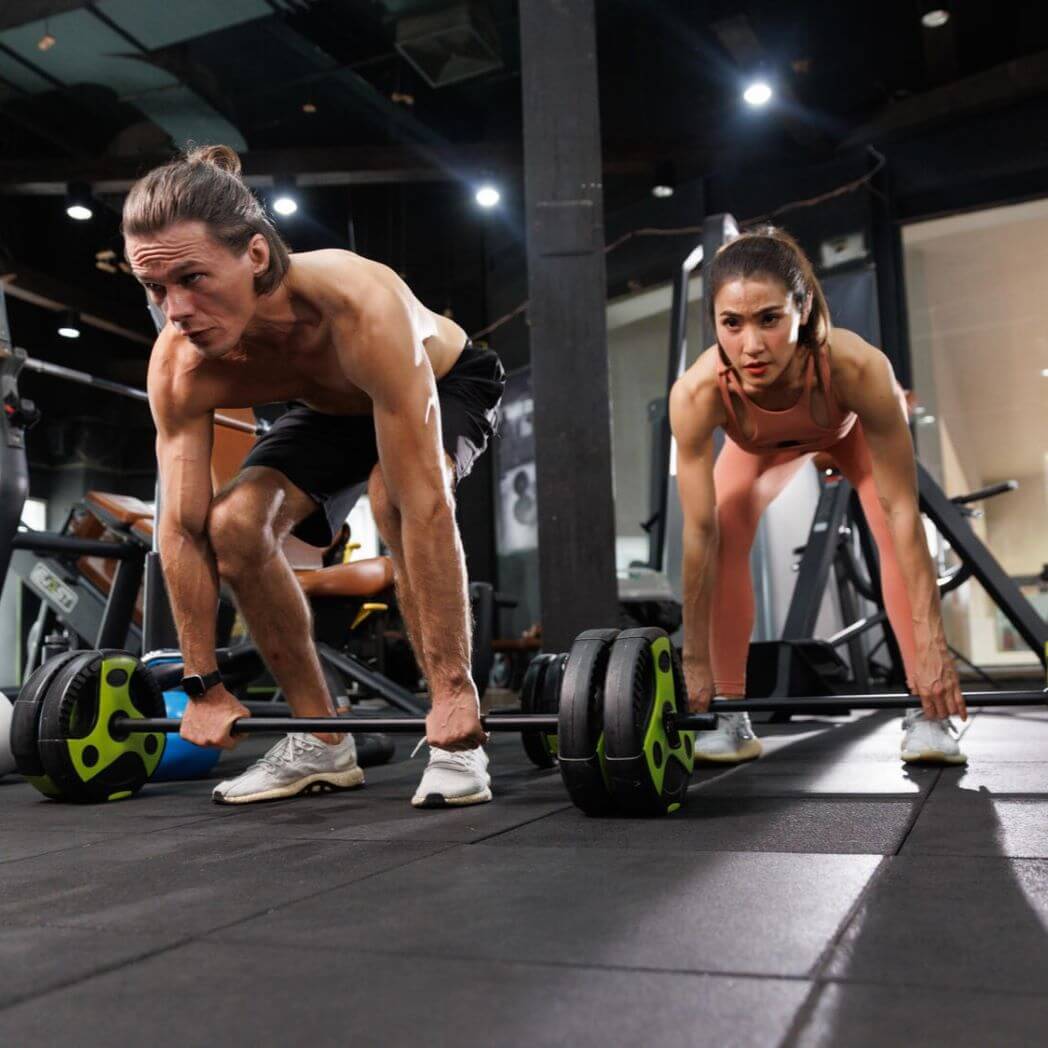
{"points": [[825, 895]]}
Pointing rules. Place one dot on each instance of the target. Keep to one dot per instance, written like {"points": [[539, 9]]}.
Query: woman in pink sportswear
{"points": [[784, 386]]}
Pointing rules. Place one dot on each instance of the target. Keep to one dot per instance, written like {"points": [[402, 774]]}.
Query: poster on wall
{"points": [[518, 507]]}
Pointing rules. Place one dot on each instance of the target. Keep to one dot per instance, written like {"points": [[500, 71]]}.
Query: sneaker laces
{"points": [[286, 751], [917, 716], [455, 760]]}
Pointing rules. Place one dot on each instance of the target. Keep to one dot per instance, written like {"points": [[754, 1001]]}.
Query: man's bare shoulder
{"points": [[179, 387], [342, 282]]}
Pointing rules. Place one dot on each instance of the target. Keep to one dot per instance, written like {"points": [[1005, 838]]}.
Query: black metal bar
{"points": [[120, 607], [388, 689], [49, 542], [392, 725], [888, 701], [998, 584], [85, 378], [814, 570], [988, 492]]}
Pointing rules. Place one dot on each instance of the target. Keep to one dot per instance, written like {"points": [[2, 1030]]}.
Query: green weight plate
{"points": [[580, 732], [542, 697], [80, 753], [25, 721], [648, 766]]}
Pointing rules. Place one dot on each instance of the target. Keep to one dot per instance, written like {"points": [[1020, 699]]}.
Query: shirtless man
{"points": [[385, 392]]}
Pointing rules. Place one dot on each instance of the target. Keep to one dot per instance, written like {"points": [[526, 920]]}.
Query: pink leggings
{"points": [[745, 485]]}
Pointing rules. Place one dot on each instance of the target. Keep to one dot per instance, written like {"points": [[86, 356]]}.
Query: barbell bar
{"points": [[542, 722]]}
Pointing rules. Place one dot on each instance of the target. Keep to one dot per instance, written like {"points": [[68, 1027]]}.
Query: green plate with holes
{"points": [[83, 756], [649, 764]]}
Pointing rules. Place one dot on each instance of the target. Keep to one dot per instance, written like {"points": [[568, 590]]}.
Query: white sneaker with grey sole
{"points": [[454, 778], [298, 763], [929, 740], [731, 742]]}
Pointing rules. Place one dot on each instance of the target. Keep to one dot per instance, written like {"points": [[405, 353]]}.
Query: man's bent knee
{"points": [[240, 533]]}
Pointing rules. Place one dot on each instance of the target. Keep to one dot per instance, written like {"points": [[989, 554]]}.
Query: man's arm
{"points": [[183, 446], [692, 425], [871, 391], [380, 353]]}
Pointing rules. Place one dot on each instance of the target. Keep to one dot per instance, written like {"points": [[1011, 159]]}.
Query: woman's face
{"points": [[757, 327]]}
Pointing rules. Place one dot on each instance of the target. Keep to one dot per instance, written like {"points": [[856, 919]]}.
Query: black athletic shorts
{"points": [[330, 457]]}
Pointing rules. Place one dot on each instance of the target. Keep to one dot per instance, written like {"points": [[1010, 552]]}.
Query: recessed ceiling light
{"points": [[488, 196], [69, 327], [936, 18], [1044, 372], [308, 107], [757, 94], [662, 192]]}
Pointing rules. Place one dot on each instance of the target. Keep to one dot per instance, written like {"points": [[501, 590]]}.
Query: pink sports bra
{"points": [[795, 427]]}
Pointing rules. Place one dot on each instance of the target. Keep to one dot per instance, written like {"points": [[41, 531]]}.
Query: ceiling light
{"points": [[665, 181], [1044, 372], [757, 94], [935, 18], [46, 42], [284, 202], [309, 107], [78, 201], [925, 420], [70, 324], [488, 196]]}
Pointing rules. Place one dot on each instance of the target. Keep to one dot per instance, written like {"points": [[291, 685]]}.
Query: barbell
{"points": [[91, 726]]}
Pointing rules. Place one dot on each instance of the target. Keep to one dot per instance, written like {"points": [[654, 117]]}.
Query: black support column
{"points": [[567, 285]]}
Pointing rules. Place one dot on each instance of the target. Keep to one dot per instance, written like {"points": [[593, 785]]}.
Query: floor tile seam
{"points": [[64, 924], [922, 801], [187, 940], [106, 836], [521, 825], [797, 794], [807, 1007], [415, 954], [919, 853], [107, 969], [838, 980]]}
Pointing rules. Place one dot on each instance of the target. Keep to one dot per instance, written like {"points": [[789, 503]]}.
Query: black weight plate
{"points": [[648, 766], [25, 720], [80, 753], [580, 732], [533, 700]]}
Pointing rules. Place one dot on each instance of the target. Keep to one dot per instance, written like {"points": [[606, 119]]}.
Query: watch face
{"points": [[193, 686]]}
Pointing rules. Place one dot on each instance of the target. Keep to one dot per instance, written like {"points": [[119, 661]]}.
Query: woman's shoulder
{"points": [[696, 391], [849, 355]]}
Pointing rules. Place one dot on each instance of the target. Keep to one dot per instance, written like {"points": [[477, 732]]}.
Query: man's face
{"points": [[205, 291]]}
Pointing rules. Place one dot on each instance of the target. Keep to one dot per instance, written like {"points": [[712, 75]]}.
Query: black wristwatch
{"points": [[196, 685]]}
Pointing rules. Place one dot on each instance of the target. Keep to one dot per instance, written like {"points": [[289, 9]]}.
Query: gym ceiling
{"points": [[396, 108]]}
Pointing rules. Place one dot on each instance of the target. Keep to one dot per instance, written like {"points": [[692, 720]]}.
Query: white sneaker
{"points": [[454, 777], [298, 763], [934, 741], [731, 742]]}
